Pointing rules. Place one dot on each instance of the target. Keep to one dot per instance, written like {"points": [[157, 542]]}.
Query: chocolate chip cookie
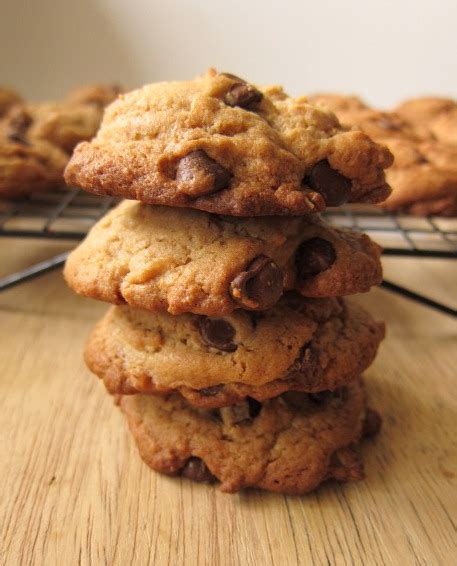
{"points": [[8, 98], [424, 174], [182, 260], [37, 139], [222, 145], [290, 444], [300, 344], [436, 115], [27, 168], [97, 94], [62, 124]]}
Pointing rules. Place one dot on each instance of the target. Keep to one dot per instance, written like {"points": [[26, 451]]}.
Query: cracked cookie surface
{"points": [[222, 145], [289, 444], [182, 260], [300, 344]]}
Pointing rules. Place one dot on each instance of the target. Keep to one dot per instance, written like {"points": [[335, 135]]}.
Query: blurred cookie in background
{"points": [[423, 177], [8, 98], [37, 139], [435, 114]]}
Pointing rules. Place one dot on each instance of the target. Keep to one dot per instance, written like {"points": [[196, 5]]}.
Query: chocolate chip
{"points": [[233, 77], [18, 126], [218, 333], [314, 256], [210, 391], [260, 286], [197, 174], [243, 95], [242, 413], [320, 397], [329, 183], [254, 407], [372, 423], [195, 469]]}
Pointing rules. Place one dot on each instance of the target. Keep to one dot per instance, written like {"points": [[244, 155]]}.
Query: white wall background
{"points": [[384, 50]]}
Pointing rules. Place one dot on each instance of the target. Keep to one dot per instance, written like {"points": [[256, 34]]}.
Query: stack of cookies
{"points": [[422, 135], [230, 349]]}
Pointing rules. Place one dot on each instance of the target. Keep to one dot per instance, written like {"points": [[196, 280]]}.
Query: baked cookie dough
{"points": [[27, 168], [289, 444], [8, 98], [300, 344], [36, 140], [424, 174], [435, 114], [183, 260], [225, 146]]}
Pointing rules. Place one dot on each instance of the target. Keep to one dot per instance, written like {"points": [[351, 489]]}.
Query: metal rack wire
{"points": [[70, 213]]}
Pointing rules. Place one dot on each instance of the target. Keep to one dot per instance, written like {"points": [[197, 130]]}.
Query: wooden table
{"points": [[74, 490]]}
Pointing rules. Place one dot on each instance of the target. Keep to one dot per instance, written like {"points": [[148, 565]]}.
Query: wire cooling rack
{"points": [[70, 213]]}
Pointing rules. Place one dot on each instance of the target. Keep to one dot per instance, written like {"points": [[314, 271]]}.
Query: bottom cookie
{"points": [[289, 444]]}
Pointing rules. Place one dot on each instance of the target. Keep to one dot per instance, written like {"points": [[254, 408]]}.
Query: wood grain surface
{"points": [[74, 490]]}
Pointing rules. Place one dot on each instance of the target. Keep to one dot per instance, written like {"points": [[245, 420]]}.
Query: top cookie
{"points": [[222, 145]]}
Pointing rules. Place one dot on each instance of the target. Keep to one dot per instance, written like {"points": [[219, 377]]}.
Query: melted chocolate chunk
{"points": [[260, 286], [329, 183], [243, 95], [314, 256], [195, 469], [218, 333], [198, 175]]}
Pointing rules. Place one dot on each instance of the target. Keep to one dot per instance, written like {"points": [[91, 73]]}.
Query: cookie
{"points": [[437, 115], [8, 98], [224, 146], [424, 174], [424, 177], [352, 112], [183, 260], [289, 444], [36, 140], [61, 124], [27, 168], [97, 94], [300, 344]]}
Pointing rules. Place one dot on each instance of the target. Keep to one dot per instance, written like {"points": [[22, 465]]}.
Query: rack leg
{"points": [[33, 271], [419, 298]]}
